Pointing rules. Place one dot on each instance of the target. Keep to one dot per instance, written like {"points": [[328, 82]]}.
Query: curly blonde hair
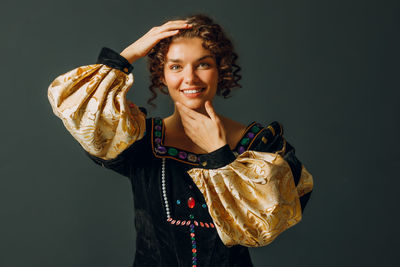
{"points": [[214, 40]]}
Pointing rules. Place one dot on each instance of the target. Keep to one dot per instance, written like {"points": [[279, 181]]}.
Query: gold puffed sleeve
{"points": [[91, 102], [254, 198]]}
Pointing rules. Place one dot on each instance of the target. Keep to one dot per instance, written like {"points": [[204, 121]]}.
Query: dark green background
{"points": [[327, 70]]}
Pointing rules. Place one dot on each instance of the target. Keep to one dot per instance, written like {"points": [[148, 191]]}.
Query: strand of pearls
{"points": [[164, 190]]}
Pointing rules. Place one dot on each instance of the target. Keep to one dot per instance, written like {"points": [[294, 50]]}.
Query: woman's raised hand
{"points": [[207, 132], [142, 46]]}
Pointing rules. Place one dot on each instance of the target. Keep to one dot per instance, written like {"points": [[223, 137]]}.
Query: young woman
{"points": [[205, 187]]}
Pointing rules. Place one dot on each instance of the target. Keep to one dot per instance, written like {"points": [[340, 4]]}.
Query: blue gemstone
{"points": [[204, 206], [178, 202]]}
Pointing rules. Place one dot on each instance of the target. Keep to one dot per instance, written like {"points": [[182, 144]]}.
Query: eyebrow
{"points": [[178, 60]]}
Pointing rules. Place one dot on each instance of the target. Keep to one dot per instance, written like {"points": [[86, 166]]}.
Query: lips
{"points": [[192, 90]]}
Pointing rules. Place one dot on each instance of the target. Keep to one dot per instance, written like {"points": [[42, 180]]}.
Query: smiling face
{"points": [[190, 73]]}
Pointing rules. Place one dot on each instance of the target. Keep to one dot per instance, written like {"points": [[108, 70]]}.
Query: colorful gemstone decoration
{"points": [[204, 205], [182, 155], [178, 202], [192, 158], [194, 246], [161, 149], [191, 203], [157, 134], [255, 129], [245, 141], [172, 151], [250, 135]]}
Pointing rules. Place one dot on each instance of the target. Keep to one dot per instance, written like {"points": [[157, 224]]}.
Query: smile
{"points": [[192, 92]]}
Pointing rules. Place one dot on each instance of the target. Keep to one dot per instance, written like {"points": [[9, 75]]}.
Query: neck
{"points": [[174, 121]]}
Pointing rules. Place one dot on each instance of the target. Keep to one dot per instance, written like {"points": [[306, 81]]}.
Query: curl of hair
{"points": [[214, 40]]}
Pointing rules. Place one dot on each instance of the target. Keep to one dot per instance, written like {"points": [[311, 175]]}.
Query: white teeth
{"points": [[192, 91]]}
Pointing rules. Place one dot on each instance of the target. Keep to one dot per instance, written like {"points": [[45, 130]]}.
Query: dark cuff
{"points": [[218, 158], [114, 60]]}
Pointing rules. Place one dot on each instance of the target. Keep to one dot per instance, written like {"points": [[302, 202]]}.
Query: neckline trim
{"points": [[161, 151]]}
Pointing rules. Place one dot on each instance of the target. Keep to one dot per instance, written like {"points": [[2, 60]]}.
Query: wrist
{"points": [[216, 146], [131, 57]]}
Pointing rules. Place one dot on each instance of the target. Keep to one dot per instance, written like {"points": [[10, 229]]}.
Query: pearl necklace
{"points": [[164, 191]]}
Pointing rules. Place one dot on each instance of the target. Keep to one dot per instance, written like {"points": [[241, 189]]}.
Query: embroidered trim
{"points": [[161, 151]]}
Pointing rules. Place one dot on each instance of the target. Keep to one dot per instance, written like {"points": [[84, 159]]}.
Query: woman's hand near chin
{"points": [[143, 45], [206, 132]]}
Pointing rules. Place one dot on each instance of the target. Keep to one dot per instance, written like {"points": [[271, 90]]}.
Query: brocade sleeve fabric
{"points": [[91, 102], [254, 197]]}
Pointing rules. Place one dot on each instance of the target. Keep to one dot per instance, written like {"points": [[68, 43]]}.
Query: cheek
{"points": [[212, 78], [172, 81]]}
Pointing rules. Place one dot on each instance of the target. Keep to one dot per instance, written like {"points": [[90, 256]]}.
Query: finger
{"points": [[166, 34], [211, 112], [174, 26], [175, 21], [189, 112]]}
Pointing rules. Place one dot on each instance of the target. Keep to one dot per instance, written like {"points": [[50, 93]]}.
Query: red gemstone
{"points": [[196, 223], [169, 219], [192, 234], [178, 222], [173, 222], [194, 250], [191, 202], [187, 223], [201, 224], [183, 222], [207, 225], [212, 225]]}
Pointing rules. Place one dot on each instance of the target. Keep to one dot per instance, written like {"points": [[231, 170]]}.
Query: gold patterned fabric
{"points": [[91, 101], [254, 198]]}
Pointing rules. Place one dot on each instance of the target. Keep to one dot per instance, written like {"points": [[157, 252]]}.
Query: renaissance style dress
{"points": [[190, 209]]}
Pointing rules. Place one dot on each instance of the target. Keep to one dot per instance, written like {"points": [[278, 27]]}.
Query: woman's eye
{"points": [[174, 67], [204, 65]]}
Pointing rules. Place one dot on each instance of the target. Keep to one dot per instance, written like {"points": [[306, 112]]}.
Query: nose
{"points": [[190, 75]]}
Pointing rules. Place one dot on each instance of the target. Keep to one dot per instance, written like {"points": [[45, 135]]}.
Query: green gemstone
{"points": [[255, 129], [191, 216], [192, 238], [194, 254], [158, 122], [157, 133], [244, 141], [172, 151]]}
